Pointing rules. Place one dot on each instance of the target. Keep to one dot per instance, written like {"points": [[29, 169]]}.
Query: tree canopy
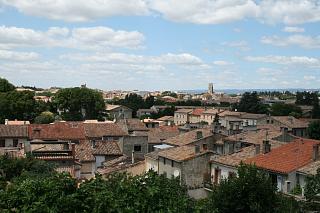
{"points": [[282, 109], [79, 104], [251, 191], [251, 103], [306, 98], [314, 130], [6, 86]]}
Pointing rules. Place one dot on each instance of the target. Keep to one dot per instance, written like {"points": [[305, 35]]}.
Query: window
{"points": [[137, 148], [164, 161], [66, 146], [15, 142], [205, 146], [172, 163], [2, 143]]}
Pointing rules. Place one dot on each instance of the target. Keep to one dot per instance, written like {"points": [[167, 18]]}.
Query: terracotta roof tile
{"points": [[98, 130], [13, 131], [181, 153], [132, 125], [188, 137], [291, 121], [85, 151], [57, 131], [287, 158], [158, 135], [243, 154], [198, 111]]}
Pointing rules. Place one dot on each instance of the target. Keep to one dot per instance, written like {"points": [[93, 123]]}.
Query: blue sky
{"points": [[158, 45]]}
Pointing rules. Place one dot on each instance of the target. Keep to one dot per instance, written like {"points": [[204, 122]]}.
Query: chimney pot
{"points": [[257, 146], [266, 147], [315, 152]]}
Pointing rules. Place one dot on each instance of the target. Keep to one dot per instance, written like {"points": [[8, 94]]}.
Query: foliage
{"points": [[306, 98], [17, 105], [133, 101], [316, 109], [44, 118], [35, 187], [79, 103], [251, 103], [282, 109], [5, 85], [314, 130], [251, 191], [297, 190]]}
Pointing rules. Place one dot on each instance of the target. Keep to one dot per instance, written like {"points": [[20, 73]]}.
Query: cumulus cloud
{"points": [[304, 41], [18, 56], [286, 60], [205, 11], [123, 58], [222, 63], [309, 77], [241, 45], [79, 10], [289, 12], [79, 38], [293, 29]]}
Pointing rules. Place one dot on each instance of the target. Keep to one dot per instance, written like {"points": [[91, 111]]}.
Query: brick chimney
{"points": [[257, 146], [266, 147], [315, 152]]}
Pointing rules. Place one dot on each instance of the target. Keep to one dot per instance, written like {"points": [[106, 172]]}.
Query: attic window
{"points": [[137, 148]]}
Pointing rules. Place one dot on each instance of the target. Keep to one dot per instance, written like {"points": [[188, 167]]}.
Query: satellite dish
{"points": [[176, 173]]}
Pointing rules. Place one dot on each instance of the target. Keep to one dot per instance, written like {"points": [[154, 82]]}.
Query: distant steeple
{"points": [[210, 88]]}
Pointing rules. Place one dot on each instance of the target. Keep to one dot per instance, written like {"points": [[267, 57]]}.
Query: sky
{"points": [[161, 44]]}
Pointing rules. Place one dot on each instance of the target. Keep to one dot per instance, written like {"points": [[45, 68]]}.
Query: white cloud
{"points": [[286, 60], [242, 45], [298, 40], [222, 63], [290, 12], [309, 77], [18, 56], [293, 29], [79, 10], [205, 11], [78, 38], [123, 58]]}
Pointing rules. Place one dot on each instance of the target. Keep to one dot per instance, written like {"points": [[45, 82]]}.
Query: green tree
{"points": [[312, 191], [80, 103], [17, 105], [251, 103], [6, 86], [169, 93], [44, 118], [314, 130], [251, 191], [316, 109], [306, 98], [282, 109], [133, 101]]}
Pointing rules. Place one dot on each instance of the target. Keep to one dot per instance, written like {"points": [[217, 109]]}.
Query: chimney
{"points": [[93, 144], [199, 134], [73, 149], [266, 147], [132, 157], [197, 149], [27, 147], [257, 146], [315, 152], [6, 121]]}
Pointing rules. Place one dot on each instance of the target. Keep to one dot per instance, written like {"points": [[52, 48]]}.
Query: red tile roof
{"points": [[198, 111], [98, 130], [286, 158], [57, 131], [13, 131]]}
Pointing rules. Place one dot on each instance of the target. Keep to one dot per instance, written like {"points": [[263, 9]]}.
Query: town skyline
{"points": [[148, 45]]}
